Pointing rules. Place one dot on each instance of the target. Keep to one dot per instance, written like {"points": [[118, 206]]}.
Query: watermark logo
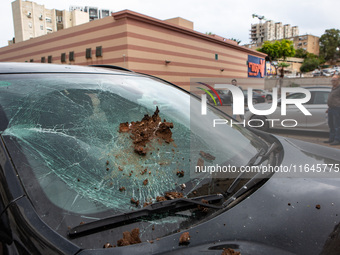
{"points": [[208, 93], [238, 100]]}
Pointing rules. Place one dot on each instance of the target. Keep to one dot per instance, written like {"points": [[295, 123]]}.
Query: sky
{"points": [[226, 18]]}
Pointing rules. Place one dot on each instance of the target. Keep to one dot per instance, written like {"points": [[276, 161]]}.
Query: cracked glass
{"points": [[63, 131]]}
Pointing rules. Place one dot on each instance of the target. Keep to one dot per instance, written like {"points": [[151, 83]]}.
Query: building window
{"points": [[99, 51], [216, 56], [63, 57], [30, 25], [41, 27], [48, 20], [71, 56], [43, 60], [31, 60], [49, 59], [88, 53]]}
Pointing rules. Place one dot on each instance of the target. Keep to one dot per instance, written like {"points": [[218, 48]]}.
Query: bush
{"points": [[309, 64]]}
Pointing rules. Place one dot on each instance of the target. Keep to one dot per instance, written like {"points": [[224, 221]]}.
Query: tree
{"points": [[278, 50], [301, 53], [329, 45], [309, 64]]}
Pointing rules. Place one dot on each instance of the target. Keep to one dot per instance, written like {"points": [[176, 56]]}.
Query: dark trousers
{"points": [[334, 123]]}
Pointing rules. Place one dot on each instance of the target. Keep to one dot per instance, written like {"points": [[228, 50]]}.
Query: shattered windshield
{"points": [[109, 142]]}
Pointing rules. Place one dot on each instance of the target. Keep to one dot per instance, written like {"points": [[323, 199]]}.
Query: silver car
{"points": [[317, 106]]}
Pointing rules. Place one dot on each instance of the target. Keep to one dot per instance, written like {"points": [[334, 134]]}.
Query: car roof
{"points": [[318, 88], [12, 68]]}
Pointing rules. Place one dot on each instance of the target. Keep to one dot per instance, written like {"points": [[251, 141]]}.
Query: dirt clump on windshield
{"points": [[150, 127], [173, 195], [169, 196], [203, 208], [129, 238]]}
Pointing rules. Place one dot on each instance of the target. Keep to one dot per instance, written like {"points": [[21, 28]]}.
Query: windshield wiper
{"points": [[251, 183], [260, 154], [174, 205]]}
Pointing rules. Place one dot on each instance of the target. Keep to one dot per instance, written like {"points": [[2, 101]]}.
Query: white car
{"points": [[328, 72], [317, 106]]}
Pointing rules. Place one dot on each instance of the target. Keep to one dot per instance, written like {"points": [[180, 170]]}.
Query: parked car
{"points": [[257, 98], [317, 106], [316, 73], [224, 96], [266, 93], [102, 160], [328, 72]]}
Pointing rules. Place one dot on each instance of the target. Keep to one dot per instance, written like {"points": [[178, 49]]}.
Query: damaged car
{"points": [[103, 160]]}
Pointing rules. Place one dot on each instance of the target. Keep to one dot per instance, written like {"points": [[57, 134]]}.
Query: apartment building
{"points": [[309, 43], [270, 31], [94, 12], [169, 49], [33, 20]]}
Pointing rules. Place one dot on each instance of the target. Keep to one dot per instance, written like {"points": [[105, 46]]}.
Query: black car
{"points": [[100, 160], [227, 99], [224, 95], [257, 98]]}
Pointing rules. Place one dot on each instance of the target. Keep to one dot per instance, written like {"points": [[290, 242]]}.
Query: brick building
{"points": [[170, 49]]}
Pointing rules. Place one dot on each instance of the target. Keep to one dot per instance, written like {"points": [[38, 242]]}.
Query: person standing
{"points": [[334, 112], [234, 82]]}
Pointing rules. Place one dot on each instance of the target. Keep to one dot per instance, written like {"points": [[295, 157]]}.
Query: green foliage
{"points": [[329, 42], [287, 49], [278, 49], [309, 64], [282, 64], [301, 53]]}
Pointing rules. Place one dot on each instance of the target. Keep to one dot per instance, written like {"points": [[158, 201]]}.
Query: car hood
{"points": [[287, 215]]}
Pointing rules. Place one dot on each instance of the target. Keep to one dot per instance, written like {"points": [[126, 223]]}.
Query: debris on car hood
{"points": [[184, 238], [230, 251], [129, 238]]}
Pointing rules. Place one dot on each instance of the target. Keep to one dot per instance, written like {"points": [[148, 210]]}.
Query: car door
{"points": [[318, 120]]}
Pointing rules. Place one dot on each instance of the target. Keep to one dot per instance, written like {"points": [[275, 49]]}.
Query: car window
{"points": [[68, 129], [298, 96], [320, 97]]}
